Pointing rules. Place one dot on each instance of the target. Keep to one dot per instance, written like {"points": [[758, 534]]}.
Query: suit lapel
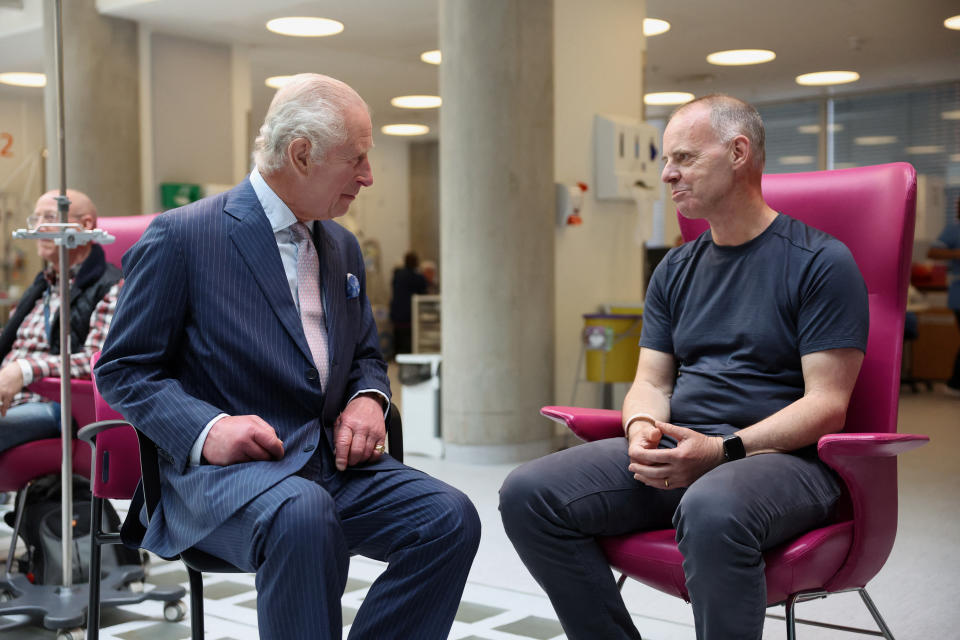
{"points": [[331, 275], [256, 243]]}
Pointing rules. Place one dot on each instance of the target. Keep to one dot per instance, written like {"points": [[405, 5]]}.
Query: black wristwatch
{"points": [[733, 448]]}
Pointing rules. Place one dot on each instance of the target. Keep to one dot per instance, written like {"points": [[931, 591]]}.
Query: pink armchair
{"points": [[870, 209], [23, 464]]}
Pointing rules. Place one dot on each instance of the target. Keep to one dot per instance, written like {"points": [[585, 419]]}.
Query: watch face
{"points": [[733, 447]]}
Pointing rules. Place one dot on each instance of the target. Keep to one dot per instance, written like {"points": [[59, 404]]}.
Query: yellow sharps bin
{"points": [[612, 345]]}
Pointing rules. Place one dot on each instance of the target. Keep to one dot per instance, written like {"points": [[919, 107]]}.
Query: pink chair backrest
{"points": [[117, 470], [127, 230], [871, 210]]}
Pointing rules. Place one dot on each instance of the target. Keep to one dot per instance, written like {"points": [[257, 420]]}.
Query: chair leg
{"points": [[620, 581], [196, 604], [20, 501], [868, 601], [93, 607], [790, 616]]}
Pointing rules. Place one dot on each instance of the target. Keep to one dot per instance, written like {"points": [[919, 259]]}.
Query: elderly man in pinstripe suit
{"points": [[244, 346]]}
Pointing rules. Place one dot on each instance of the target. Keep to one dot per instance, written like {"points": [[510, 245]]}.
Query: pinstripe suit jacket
{"points": [[205, 324]]}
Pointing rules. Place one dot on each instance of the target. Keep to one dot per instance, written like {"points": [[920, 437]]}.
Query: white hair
{"points": [[731, 117], [309, 106]]}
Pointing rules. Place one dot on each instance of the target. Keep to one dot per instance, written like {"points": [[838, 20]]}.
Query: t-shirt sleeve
{"points": [[834, 311], [657, 333]]}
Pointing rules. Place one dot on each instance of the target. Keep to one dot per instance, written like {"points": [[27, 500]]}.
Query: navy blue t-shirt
{"points": [[738, 319]]}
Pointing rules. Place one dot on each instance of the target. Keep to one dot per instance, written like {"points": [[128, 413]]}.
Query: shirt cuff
{"points": [[27, 370], [386, 401], [197, 451]]}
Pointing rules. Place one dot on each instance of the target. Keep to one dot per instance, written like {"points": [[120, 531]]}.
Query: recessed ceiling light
{"points": [[667, 98], [952, 23], [416, 102], [873, 141], [951, 115], [275, 82], [815, 128], [655, 26], [736, 57], [431, 57], [797, 160], [955, 157], [23, 79], [305, 27], [405, 129], [925, 149], [821, 78]]}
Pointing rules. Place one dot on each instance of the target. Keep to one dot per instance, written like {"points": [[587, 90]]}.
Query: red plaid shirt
{"points": [[31, 349]]}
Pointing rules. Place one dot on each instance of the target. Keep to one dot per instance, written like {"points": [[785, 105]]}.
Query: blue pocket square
{"points": [[353, 286]]}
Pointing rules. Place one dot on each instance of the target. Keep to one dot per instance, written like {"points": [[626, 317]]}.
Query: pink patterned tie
{"points": [[311, 305]]}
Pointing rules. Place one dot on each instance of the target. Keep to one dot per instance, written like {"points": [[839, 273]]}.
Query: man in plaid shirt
{"points": [[30, 341]]}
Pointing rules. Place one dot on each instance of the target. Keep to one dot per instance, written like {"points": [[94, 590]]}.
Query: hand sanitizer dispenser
{"points": [[626, 158]]}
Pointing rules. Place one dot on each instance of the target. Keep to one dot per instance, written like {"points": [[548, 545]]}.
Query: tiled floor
{"points": [[502, 602]]}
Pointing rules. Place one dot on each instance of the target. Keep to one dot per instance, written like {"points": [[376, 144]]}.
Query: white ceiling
{"points": [[891, 43]]}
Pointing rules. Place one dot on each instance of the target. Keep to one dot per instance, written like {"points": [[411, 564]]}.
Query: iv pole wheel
{"points": [[174, 611], [70, 634]]}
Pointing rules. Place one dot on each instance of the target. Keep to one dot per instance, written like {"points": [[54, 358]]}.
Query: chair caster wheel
{"points": [[174, 611], [70, 634]]}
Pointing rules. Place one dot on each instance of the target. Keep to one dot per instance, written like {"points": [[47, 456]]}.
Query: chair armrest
{"points": [[150, 472], [837, 446], [90, 432], [867, 464], [587, 424], [395, 433]]}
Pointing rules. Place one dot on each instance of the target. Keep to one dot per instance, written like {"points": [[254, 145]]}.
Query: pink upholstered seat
{"points": [[870, 209], [20, 465]]}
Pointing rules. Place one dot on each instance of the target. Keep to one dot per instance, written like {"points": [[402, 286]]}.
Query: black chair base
{"points": [[65, 608]]}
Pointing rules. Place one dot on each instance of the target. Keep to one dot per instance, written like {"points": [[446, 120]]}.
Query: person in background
{"points": [[245, 347], [407, 282], [947, 247], [30, 341], [753, 336], [429, 270]]}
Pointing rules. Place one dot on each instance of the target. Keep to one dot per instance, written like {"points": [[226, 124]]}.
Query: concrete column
{"points": [[496, 229], [101, 105], [425, 200]]}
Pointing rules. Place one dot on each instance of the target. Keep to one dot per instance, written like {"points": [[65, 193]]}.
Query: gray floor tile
{"points": [[355, 585], [158, 631], [349, 615], [226, 589], [168, 578], [473, 612], [533, 627]]}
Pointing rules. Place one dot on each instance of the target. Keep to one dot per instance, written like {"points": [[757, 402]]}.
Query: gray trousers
{"points": [[554, 507]]}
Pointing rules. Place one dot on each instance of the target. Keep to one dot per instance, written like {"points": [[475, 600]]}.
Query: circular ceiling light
{"points": [[305, 27], [405, 129], [822, 78], [736, 57], [952, 23], [275, 82], [431, 57], [666, 98], [655, 26], [874, 141], [23, 79], [416, 102]]}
